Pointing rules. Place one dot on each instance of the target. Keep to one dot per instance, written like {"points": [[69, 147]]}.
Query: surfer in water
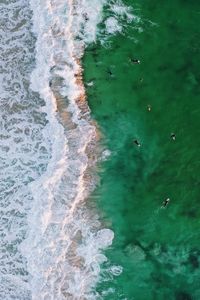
{"points": [[136, 142], [110, 73], [173, 136], [134, 61], [149, 107], [166, 202]]}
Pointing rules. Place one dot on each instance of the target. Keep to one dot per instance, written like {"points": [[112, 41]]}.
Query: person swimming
{"points": [[134, 61], [90, 83], [166, 202], [173, 136], [149, 107], [137, 143], [110, 72]]}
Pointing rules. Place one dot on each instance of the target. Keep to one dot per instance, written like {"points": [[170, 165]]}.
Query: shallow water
{"points": [[157, 247]]}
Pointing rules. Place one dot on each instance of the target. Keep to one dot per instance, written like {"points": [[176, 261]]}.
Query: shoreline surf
{"points": [[62, 232], [53, 241]]}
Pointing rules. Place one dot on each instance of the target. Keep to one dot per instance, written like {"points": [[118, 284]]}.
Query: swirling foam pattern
{"points": [[24, 150]]}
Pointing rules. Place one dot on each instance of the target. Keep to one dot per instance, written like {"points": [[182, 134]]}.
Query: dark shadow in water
{"points": [[193, 260], [181, 295]]}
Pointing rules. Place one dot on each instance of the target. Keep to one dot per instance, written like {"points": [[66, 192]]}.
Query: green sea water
{"points": [[157, 247]]}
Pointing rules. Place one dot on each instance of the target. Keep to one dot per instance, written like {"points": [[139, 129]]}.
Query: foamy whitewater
{"points": [[51, 242]]}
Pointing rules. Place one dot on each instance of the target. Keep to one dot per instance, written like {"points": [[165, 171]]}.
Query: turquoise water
{"points": [[157, 247]]}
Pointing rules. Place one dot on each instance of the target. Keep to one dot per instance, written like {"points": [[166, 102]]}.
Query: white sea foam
{"points": [[51, 243], [63, 244], [118, 18], [105, 155], [112, 25], [24, 150], [120, 9]]}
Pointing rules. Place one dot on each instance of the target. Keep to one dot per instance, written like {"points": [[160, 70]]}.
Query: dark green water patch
{"points": [[157, 247]]}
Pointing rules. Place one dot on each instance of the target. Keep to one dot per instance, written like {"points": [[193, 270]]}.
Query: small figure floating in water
{"points": [[149, 107], [134, 61], [90, 83], [166, 202], [136, 142], [173, 136], [110, 72]]}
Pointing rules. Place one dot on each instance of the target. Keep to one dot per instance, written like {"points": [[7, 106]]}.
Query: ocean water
{"points": [[156, 247], [81, 205]]}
